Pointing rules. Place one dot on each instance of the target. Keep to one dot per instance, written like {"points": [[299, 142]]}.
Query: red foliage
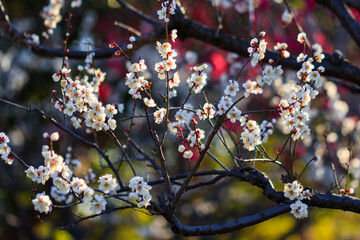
{"points": [[104, 92], [219, 65]]}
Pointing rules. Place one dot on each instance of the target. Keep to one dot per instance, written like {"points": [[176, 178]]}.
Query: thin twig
{"points": [[332, 165], [128, 28], [139, 13], [93, 216]]}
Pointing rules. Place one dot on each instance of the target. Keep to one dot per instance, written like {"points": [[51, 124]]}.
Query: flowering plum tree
{"points": [[251, 110]]}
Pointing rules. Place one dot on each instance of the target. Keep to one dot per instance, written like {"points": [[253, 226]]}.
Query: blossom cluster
{"points": [[257, 49], [295, 109], [208, 111], [5, 150], [282, 48], [183, 116], [169, 63], [294, 191], [195, 136], [98, 204], [267, 129], [287, 16], [107, 183], [226, 100], [134, 81], [252, 87], [66, 186], [269, 75], [163, 69], [251, 136], [140, 191], [81, 95], [197, 80], [51, 15], [42, 203], [76, 3], [167, 7], [193, 140]]}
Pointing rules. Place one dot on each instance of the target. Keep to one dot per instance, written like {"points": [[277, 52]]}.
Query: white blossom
{"points": [[42, 203]]}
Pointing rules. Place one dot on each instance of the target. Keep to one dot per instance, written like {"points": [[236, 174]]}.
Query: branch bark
{"points": [[335, 66], [353, 3], [346, 20], [219, 228]]}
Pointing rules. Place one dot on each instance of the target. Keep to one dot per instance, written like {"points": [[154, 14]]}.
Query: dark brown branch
{"points": [[16, 35], [128, 28], [198, 161], [219, 228], [210, 182], [139, 13], [346, 20], [335, 67], [353, 3], [329, 200], [93, 216], [141, 151], [103, 52], [249, 175]]}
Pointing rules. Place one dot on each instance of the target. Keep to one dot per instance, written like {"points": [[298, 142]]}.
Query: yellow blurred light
{"points": [[113, 4]]}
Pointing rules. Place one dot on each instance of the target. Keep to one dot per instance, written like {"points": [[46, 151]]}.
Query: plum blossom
{"points": [[140, 191], [159, 115], [107, 183], [299, 209], [42, 203], [293, 190], [98, 204], [5, 150]]}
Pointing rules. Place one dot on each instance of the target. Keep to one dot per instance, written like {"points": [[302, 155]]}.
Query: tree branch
{"points": [[139, 13], [103, 52], [335, 67], [219, 228], [329, 200], [93, 216], [353, 3], [347, 21]]}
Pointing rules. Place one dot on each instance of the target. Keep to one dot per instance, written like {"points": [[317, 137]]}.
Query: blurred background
{"points": [[26, 79]]}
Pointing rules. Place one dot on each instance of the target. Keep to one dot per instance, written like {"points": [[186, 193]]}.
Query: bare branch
{"points": [[319, 200], [219, 228], [93, 216], [128, 28], [103, 52], [139, 13], [353, 3], [346, 20], [335, 67], [205, 183], [329, 200]]}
